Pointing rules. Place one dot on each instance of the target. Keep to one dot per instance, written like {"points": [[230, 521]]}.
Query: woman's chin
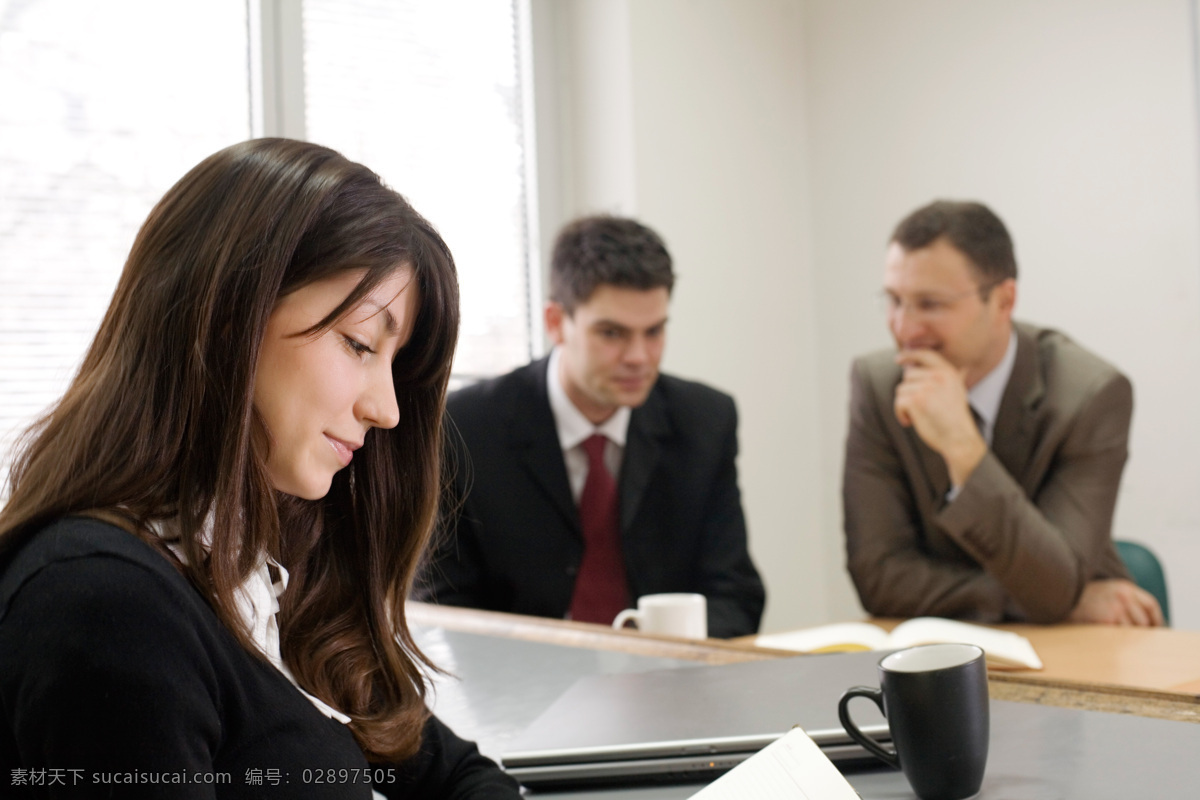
{"points": [[313, 488]]}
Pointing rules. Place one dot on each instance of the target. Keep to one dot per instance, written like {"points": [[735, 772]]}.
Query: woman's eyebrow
{"points": [[389, 321]]}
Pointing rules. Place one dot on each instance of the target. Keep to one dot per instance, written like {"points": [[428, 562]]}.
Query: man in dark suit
{"points": [[983, 456], [587, 479]]}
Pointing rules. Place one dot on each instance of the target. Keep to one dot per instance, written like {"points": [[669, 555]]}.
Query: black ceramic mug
{"points": [[935, 699]]}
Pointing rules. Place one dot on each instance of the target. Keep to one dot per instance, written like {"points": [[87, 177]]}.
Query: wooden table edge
{"points": [[585, 634], [1024, 687]]}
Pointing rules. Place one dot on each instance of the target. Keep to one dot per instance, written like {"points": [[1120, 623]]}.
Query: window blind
{"points": [[103, 106], [428, 95]]}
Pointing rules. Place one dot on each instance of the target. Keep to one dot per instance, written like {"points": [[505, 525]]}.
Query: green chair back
{"points": [[1146, 571]]}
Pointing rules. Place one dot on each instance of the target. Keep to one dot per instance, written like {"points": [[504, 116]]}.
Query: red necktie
{"points": [[600, 591]]}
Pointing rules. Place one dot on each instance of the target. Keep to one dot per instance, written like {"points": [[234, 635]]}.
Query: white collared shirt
{"points": [[574, 428], [985, 398], [257, 604], [986, 395]]}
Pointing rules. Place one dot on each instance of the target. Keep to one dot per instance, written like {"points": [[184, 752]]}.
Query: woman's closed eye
{"points": [[356, 347]]}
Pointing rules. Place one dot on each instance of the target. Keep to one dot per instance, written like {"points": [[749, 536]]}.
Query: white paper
{"points": [[790, 768], [839, 635], [1002, 647]]}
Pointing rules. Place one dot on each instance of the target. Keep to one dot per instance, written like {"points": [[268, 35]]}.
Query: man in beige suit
{"points": [[984, 456]]}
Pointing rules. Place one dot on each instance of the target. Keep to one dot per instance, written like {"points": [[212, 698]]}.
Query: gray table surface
{"points": [[499, 686]]}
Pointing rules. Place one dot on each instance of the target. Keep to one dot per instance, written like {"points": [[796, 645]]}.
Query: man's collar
{"points": [[572, 426], [985, 396]]}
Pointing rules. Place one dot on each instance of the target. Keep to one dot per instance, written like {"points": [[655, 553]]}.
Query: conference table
{"points": [[1146, 671], [505, 669]]}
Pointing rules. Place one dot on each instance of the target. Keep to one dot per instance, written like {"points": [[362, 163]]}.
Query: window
{"points": [[104, 106], [428, 94]]}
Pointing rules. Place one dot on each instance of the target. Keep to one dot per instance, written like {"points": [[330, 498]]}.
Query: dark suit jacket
{"points": [[515, 543], [1029, 527]]}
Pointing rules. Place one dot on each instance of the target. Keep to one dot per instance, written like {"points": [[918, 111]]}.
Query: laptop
{"points": [[692, 723]]}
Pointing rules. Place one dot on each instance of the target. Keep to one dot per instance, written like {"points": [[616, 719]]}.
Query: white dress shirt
{"points": [[574, 428], [257, 603], [985, 396]]}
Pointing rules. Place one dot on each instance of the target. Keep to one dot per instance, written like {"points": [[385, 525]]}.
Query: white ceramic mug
{"points": [[679, 614]]}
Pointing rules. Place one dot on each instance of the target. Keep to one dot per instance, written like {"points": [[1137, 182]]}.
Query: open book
{"points": [[790, 768], [1003, 650]]}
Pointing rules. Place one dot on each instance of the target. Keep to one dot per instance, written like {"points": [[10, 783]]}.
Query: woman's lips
{"points": [[344, 450]]}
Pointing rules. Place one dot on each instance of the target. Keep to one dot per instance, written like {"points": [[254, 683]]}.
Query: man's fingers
{"points": [[1150, 608], [1139, 605], [921, 358], [906, 402], [1136, 614], [918, 376], [1157, 613]]}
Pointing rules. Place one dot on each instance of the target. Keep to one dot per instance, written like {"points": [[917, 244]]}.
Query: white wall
{"points": [[1076, 121], [775, 143], [715, 106], [720, 143]]}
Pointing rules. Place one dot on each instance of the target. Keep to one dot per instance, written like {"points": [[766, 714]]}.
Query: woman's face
{"points": [[319, 395]]}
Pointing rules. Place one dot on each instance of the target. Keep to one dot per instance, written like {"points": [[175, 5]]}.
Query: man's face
{"points": [[610, 347], [934, 302]]}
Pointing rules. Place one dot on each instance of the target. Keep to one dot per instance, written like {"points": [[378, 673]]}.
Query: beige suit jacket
{"points": [[1029, 527]]}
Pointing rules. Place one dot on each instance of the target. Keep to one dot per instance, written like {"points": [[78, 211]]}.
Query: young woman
{"points": [[208, 541]]}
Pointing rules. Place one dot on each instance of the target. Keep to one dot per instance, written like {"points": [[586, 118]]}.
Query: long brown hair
{"points": [[159, 423]]}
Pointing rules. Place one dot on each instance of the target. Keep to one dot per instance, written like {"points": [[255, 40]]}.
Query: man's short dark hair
{"points": [[973, 229], [598, 250]]}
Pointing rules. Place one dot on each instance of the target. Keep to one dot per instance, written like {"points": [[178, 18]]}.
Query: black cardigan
{"points": [[118, 680]]}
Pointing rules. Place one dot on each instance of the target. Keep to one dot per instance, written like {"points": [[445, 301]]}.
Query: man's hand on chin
{"points": [[932, 398], [1116, 601]]}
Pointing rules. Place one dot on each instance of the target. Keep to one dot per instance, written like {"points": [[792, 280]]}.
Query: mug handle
{"points": [[625, 616], [870, 745]]}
